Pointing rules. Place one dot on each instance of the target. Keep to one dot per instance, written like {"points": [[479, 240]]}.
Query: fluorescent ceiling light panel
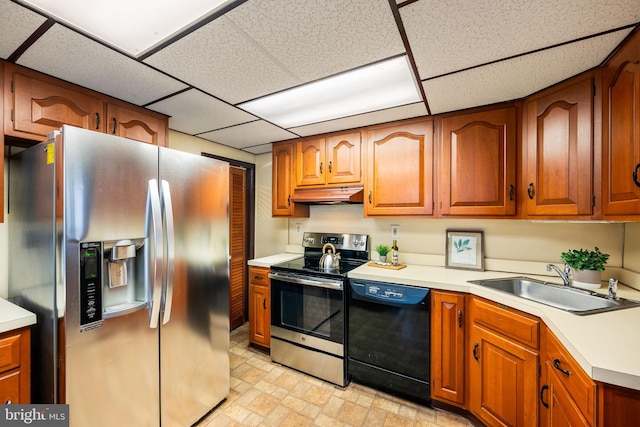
{"points": [[373, 87], [131, 26]]}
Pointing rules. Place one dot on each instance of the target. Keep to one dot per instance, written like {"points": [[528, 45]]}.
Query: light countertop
{"points": [[268, 261], [606, 345], [14, 317]]}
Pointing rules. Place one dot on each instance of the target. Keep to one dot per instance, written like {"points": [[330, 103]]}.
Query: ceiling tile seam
{"points": [[406, 3], [240, 124], [350, 116], [171, 95], [405, 40], [622, 43], [190, 29], [264, 51], [542, 49], [39, 32]]}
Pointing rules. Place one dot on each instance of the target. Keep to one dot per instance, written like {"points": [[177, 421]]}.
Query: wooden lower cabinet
{"points": [[569, 396], [15, 367], [503, 378], [259, 306], [447, 347], [502, 355]]}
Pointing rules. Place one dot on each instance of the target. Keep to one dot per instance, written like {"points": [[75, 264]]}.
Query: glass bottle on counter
{"points": [[394, 253]]}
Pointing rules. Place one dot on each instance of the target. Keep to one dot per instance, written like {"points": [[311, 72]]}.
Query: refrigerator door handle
{"points": [[170, 251], [154, 221]]}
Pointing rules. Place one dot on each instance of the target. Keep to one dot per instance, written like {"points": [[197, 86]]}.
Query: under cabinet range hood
{"points": [[328, 195]]}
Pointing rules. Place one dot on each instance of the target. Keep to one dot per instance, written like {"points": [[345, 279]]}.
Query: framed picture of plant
{"points": [[465, 250]]}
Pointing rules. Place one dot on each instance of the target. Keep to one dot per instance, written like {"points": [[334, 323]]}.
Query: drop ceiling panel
{"points": [[65, 54], [391, 114], [16, 25], [221, 60], [315, 39], [260, 149], [454, 35], [248, 134], [195, 112], [518, 77]]}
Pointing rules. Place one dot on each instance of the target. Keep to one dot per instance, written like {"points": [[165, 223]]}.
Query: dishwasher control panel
{"points": [[390, 293], [384, 291]]}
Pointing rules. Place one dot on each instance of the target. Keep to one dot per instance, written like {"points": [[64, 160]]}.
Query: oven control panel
{"points": [[356, 242]]}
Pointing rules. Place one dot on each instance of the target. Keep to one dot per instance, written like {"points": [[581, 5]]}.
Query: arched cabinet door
{"points": [[478, 164], [558, 151], [399, 177], [621, 133]]}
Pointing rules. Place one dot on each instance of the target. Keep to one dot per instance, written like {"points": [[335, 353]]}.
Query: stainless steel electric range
{"points": [[308, 305]]}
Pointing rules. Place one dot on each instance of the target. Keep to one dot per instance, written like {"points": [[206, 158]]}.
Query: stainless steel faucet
{"points": [[613, 288], [564, 275]]}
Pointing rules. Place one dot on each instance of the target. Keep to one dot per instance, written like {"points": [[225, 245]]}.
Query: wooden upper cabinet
{"points": [[478, 164], [137, 123], [310, 162], [36, 105], [282, 185], [558, 150], [335, 159], [399, 178], [621, 132]]}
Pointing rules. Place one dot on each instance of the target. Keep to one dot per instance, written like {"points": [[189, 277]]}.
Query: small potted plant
{"points": [[586, 266], [382, 250]]}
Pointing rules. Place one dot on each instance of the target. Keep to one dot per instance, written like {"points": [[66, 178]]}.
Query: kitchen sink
{"points": [[573, 300]]}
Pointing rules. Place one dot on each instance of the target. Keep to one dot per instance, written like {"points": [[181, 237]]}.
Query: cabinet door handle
{"points": [[264, 303], [320, 168], [114, 122], [510, 191], [635, 175], [475, 351], [258, 277], [330, 166], [289, 200], [544, 387], [369, 196], [556, 364], [97, 121], [459, 318], [530, 190]]}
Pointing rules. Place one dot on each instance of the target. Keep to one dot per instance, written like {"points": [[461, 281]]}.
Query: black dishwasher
{"points": [[388, 338]]}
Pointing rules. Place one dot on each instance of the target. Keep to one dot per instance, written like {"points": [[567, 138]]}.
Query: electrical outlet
{"points": [[298, 228], [395, 231]]}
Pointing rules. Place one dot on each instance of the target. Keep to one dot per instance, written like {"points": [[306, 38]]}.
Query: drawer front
{"points": [[259, 275], [575, 380], [508, 322], [10, 388], [10, 352]]}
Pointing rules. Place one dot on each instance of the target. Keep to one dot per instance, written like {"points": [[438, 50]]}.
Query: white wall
{"points": [[631, 254], [516, 240]]}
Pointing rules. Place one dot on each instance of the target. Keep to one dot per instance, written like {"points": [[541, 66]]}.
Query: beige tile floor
{"points": [[267, 394]]}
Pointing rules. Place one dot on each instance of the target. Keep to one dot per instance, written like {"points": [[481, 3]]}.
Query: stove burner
{"points": [[353, 250]]}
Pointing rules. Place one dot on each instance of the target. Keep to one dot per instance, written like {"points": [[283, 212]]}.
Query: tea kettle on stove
{"points": [[330, 260]]}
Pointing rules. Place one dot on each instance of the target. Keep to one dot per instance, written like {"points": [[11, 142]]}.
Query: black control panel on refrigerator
{"points": [[90, 285]]}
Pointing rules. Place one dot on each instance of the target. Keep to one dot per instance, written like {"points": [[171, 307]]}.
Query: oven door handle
{"points": [[327, 283]]}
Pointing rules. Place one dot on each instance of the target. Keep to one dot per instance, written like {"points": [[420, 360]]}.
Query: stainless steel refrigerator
{"points": [[121, 249]]}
